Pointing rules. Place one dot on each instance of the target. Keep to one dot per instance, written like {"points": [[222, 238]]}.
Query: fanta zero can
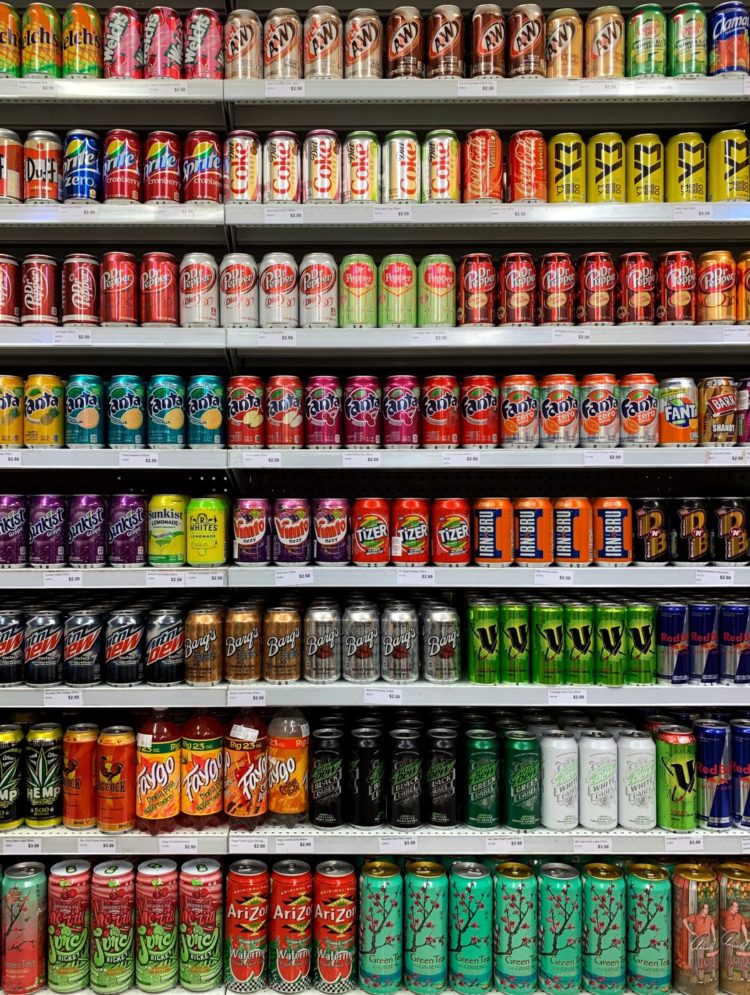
{"points": [[82, 167], [519, 412], [639, 411], [559, 411], [600, 411], [574, 538], [41, 41], [678, 412], [81, 42], [165, 404], [613, 532], [126, 404], [10, 41], [205, 412], [533, 532], [43, 404], [84, 412], [728, 40]]}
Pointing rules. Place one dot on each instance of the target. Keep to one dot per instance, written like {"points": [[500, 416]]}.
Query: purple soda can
{"points": [[87, 531], [126, 530], [291, 530], [13, 530], [323, 413], [743, 413], [122, 55], [362, 412], [46, 530], [251, 532], [402, 420], [332, 540]]}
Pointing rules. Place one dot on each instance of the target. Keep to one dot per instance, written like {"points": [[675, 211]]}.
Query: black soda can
{"points": [[690, 532], [729, 530], [11, 647], [83, 641], [440, 799], [335, 719], [165, 647], [365, 776], [651, 539], [326, 778], [43, 649], [124, 646], [405, 783]]}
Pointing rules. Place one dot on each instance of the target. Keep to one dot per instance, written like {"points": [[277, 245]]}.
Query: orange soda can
{"points": [[81, 42], [678, 412], [574, 539], [533, 531], [10, 41], [613, 532], [716, 280], [11, 412], [115, 780], [742, 289], [519, 412], [492, 531], [600, 411], [564, 44], [79, 776], [605, 44], [41, 42]]}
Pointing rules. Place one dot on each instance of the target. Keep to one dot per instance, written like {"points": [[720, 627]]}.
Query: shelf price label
{"points": [[248, 843], [461, 457], [95, 845], [476, 88], [427, 337], [361, 459], [718, 576], [286, 577], [566, 696], [603, 457], [71, 336], [508, 212], [280, 338], [592, 844], [9, 459], [259, 458], [680, 843], [37, 87], [167, 87], [399, 844], [243, 697], [391, 213], [382, 695], [177, 844], [204, 578], [692, 212], [295, 844], [415, 576], [64, 579], [726, 456], [21, 847], [282, 214], [554, 578], [147, 459], [571, 336], [62, 697], [76, 211], [504, 844], [284, 89], [165, 578], [739, 335]]}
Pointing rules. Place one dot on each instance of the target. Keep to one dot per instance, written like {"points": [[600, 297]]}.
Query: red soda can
{"points": [[440, 412], [242, 167], [201, 168], [600, 411], [323, 413], [676, 288], [10, 307], [516, 289], [482, 166], [558, 404], [479, 412], [122, 55], [450, 532], [519, 412], [161, 168], [533, 532], [68, 905], [556, 289], [410, 531], [238, 291], [527, 167], [402, 421], [203, 45], [613, 532], [573, 531], [636, 286], [285, 428], [122, 166], [487, 41], [42, 168], [11, 167], [80, 290], [362, 412], [246, 925], [476, 290], [245, 407], [597, 284], [162, 44], [371, 545], [39, 291], [118, 289], [160, 299], [335, 926]]}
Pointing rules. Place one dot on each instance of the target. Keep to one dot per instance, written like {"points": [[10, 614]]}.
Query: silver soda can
{"points": [[576, 726], [636, 780], [399, 643], [597, 780], [279, 291], [43, 648], [401, 170], [242, 45], [199, 291], [321, 167], [441, 644], [318, 291], [363, 45], [238, 291], [83, 642], [243, 167], [281, 168], [360, 643], [360, 168], [321, 651], [559, 780], [323, 43], [282, 45], [124, 645], [616, 727]]}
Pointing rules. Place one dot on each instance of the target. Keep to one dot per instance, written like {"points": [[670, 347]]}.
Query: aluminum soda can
{"points": [[242, 165], [121, 167], [605, 169], [651, 532], [360, 167], [704, 642], [479, 412], [728, 167], [252, 531], [160, 295], [566, 169], [636, 781], [717, 411], [401, 412], [83, 648], [673, 644], [84, 415], [362, 412], [527, 167], [38, 297], [487, 41], [332, 538], [323, 413], [400, 177], [734, 632], [399, 643], [124, 646], [516, 289], [203, 46], [410, 531], [10, 47], [162, 177], [165, 407], [42, 168], [440, 412], [646, 42], [363, 45], [86, 533], [686, 168], [43, 648], [47, 513], [245, 410], [318, 291], [558, 411], [397, 291], [238, 291], [279, 291], [440, 156], [436, 292], [242, 45], [162, 44], [10, 291], [80, 290], [597, 784], [284, 412], [441, 644], [199, 292], [321, 167], [282, 45], [322, 44], [444, 42], [678, 412], [358, 292], [41, 42], [164, 662], [519, 412], [600, 411], [564, 45], [371, 545], [476, 291], [740, 732], [728, 39], [282, 173], [292, 538], [202, 181], [404, 44], [82, 166], [636, 286], [559, 780], [526, 41], [604, 50], [743, 412], [687, 38], [321, 650], [122, 48], [118, 289], [639, 410], [14, 517], [713, 774], [360, 643], [644, 169]]}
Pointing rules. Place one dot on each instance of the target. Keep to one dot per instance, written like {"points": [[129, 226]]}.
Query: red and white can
{"points": [[10, 297], [203, 45], [281, 168], [482, 166], [527, 168], [322, 45], [441, 419], [80, 290], [636, 284], [445, 42], [600, 411], [639, 411], [245, 412], [410, 531], [279, 291], [160, 298], [441, 168], [11, 167], [363, 420], [556, 289], [516, 289], [450, 532], [597, 287], [282, 45], [242, 168], [162, 44], [238, 291], [121, 166], [519, 412], [476, 290], [324, 421], [246, 919], [201, 168], [199, 291], [242, 45], [479, 412], [318, 291], [284, 404], [559, 412], [39, 291], [69, 894], [162, 156], [363, 45], [402, 421], [118, 289], [360, 168], [42, 168], [527, 31], [371, 544], [401, 168], [677, 283], [321, 168], [122, 47]]}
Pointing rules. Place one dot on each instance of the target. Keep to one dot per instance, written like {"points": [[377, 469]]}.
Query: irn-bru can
{"points": [[573, 531], [644, 169], [519, 412], [687, 50], [559, 413], [81, 42], [566, 169], [450, 532], [604, 52], [43, 412], [686, 168], [11, 412], [564, 44], [605, 169], [639, 411], [716, 302], [441, 180], [84, 412], [728, 167], [600, 411], [126, 405], [613, 532], [678, 412], [10, 41], [728, 39], [165, 404], [493, 532], [646, 41], [205, 412], [533, 532], [41, 35]]}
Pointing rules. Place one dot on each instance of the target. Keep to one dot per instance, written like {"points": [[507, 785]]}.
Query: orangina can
{"points": [[492, 528], [613, 532], [573, 521], [533, 532], [564, 44], [79, 776], [717, 291], [605, 44]]}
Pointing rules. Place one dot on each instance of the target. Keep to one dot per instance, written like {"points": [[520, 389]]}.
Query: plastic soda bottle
{"points": [[202, 766], [288, 742], [245, 770], [157, 785]]}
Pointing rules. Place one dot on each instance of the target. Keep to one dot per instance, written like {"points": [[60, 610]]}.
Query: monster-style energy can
{"points": [[483, 643], [676, 797], [580, 654], [547, 643], [515, 652], [644, 168], [381, 900], [470, 936], [649, 935], [560, 961], [515, 960], [611, 652], [11, 777], [603, 928], [566, 169], [425, 927]]}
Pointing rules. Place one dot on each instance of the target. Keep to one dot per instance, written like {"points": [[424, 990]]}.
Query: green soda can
{"points": [[425, 927], [483, 649], [156, 926], [515, 934], [610, 643], [381, 901], [687, 41], [522, 774], [81, 42], [547, 643], [436, 292], [560, 961], [112, 921], [41, 42], [397, 291], [640, 643], [201, 919], [482, 772], [603, 889], [126, 404], [10, 47], [84, 412], [470, 937], [646, 45], [205, 411], [649, 932], [68, 921], [165, 403], [23, 912], [580, 655], [676, 798], [358, 292], [515, 653]]}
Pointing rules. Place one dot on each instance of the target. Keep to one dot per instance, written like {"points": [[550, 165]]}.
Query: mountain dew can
{"points": [[205, 411], [547, 644], [436, 292], [515, 653], [425, 927], [560, 961], [381, 900], [640, 643], [611, 644], [126, 403], [483, 619], [470, 938], [515, 946], [604, 930], [522, 768], [579, 643], [165, 403], [84, 412]]}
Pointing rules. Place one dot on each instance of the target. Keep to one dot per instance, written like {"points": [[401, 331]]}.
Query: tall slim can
{"points": [[515, 934]]}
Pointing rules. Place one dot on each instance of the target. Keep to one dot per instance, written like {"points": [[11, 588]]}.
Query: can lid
{"points": [[381, 869], [514, 869], [604, 872], [469, 869], [113, 869], [69, 868], [648, 872], [425, 869], [26, 869], [283, 868], [560, 871], [156, 868]]}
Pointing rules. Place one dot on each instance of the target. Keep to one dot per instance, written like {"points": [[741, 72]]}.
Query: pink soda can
{"points": [[362, 412], [122, 57], [402, 420], [324, 419], [203, 45], [162, 44]]}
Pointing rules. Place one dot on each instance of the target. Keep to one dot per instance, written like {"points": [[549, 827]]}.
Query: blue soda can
{"points": [[126, 415], [714, 767], [205, 410], [728, 39], [82, 166], [84, 412], [165, 404], [704, 643], [734, 643], [672, 644], [740, 735]]}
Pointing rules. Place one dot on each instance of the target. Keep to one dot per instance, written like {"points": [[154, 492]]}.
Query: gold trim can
{"points": [[605, 44], [716, 280], [204, 645], [243, 629], [564, 46], [734, 913], [686, 168], [43, 767], [11, 767], [644, 169], [728, 167], [282, 645], [605, 169]]}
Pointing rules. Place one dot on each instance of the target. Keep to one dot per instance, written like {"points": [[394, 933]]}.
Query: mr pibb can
{"points": [[636, 781], [282, 45], [279, 291], [363, 45], [487, 41], [360, 167], [318, 291], [604, 53], [242, 45], [400, 168], [644, 169]]}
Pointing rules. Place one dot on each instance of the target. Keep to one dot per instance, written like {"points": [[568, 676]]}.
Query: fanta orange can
{"points": [[678, 412], [558, 402], [43, 412], [600, 411], [519, 412], [613, 532], [533, 531], [492, 531], [573, 531]]}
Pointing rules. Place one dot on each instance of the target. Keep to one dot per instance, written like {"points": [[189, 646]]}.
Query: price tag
{"points": [[71, 336], [37, 87], [427, 337], [9, 458], [592, 844], [746, 86], [167, 87], [718, 576], [185, 212], [22, 847], [141, 458], [603, 457], [602, 87], [571, 336], [286, 577], [461, 457], [165, 578], [476, 88], [692, 212], [382, 695], [260, 458], [95, 845], [737, 335], [177, 844], [204, 578], [683, 844], [745, 843], [284, 89], [504, 844], [295, 844], [399, 844], [62, 697], [78, 211], [281, 338], [62, 578], [391, 213], [361, 459], [415, 576], [566, 696], [554, 578], [281, 214], [727, 456], [509, 212], [247, 843], [242, 697]]}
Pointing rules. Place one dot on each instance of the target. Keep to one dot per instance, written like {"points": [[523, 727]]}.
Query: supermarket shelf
{"points": [[105, 696], [113, 459], [110, 343], [110, 578], [28, 842]]}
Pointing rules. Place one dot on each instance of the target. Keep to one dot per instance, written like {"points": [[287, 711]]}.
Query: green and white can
{"points": [[425, 928], [515, 929], [397, 291], [649, 929], [560, 960], [358, 291], [470, 936], [436, 292]]}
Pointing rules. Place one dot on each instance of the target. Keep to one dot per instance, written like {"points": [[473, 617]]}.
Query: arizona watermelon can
{"points": [[334, 927], [246, 926], [291, 926], [381, 900]]}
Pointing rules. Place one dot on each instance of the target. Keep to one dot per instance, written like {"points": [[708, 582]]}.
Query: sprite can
{"points": [[397, 291], [84, 414], [166, 530], [676, 797], [206, 532], [126, 403], [165, 403], [579, 643], [381, 900], [425, 927], [358, 292], [81, 42], [515, 959], [604, 923], [646, 41], [41, 31], [547, 643], [10, 41], [649, 911], [560, 961], [687, 53], [611, 651], [470, 937], [483, 619], [482, 772], [205, 411], [522, 770], [640, 643], [436, 292], [515, 653]]}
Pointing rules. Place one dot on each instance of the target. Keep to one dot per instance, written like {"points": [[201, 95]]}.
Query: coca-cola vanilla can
{"points": [[80, 290], [318, 291], [238, 291], [363, 45], [279, 291], [199, 291]]}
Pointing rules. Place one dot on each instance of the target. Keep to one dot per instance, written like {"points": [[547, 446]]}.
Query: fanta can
{"points": [[10, 41], [574, 537], [126, 403], [165, 403], [678, 412], [206, 532], [639, 411], [559, 411], [492, 531], [613, 532], [450, 532], [479, 416], [205, 410], [11, 412], [43, 403], [600, 411], [84, 415], [533, 531], [81, 42], [519, 412], [166, 529], [41, 41]]}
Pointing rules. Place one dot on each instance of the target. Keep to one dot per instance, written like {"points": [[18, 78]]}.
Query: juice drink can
{"points": [[156, 925], [167, 529], [206, 532], [165, 406], [162, 44], [334, 927], [203, 53], [41, 41], [122, 52], [112, 927], [81, 42], [23, 904], [728, 39], [728, 168], [646, 42], [11, 412], [79, 776], [84, 415], [44, 416], [246, 921], [10, 41], [291, 910], [205, 411], [126, 402], [687, 37], [68, 925]]}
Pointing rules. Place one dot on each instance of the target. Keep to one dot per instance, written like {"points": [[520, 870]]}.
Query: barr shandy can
{"points": [[126, 404], [547, 643], [397, 291], [436, 291], [605, 169], [728, 167], [580, 653], [560, 961], [483, 618], [649, 912], [425, 927], [687, 53], [482, 771], [205, 412], [358, 292], [686, 168], [640, 643], [515, 649], [84, 412], [515, 959], [676, 795], [470, 936], [381, 893], [566, 169], [165, 404], [646, 41], [523, 783], [167, 530], [206, 528], [604, 921], [611, 651], [644, 168]]}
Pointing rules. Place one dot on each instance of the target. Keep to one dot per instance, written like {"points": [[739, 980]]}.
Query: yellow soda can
{"points": [[686, 168], [41, 42], [11, 412], [566, 169], [207, 532], [605, 169], [167, 515], [644, 168], [81, 42], [44, 412], [10, 41], [728, 168]]}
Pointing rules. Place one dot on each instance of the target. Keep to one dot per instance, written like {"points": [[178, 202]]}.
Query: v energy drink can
{"points": [[676, 797], [547, 644], [580, 652], [640, 643], [611, 651], [483, 617], [515, 651]]}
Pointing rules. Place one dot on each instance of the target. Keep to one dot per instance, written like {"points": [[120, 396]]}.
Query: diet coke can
{"points": [[318, 291], [321, 168], [118, 296], [279, 291], [160, 300], [242, 167], [363, 45], [199, 297], [39, 291], [281, 168], [238, 291], [80, 290], [360, 168], [322, 44]]}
